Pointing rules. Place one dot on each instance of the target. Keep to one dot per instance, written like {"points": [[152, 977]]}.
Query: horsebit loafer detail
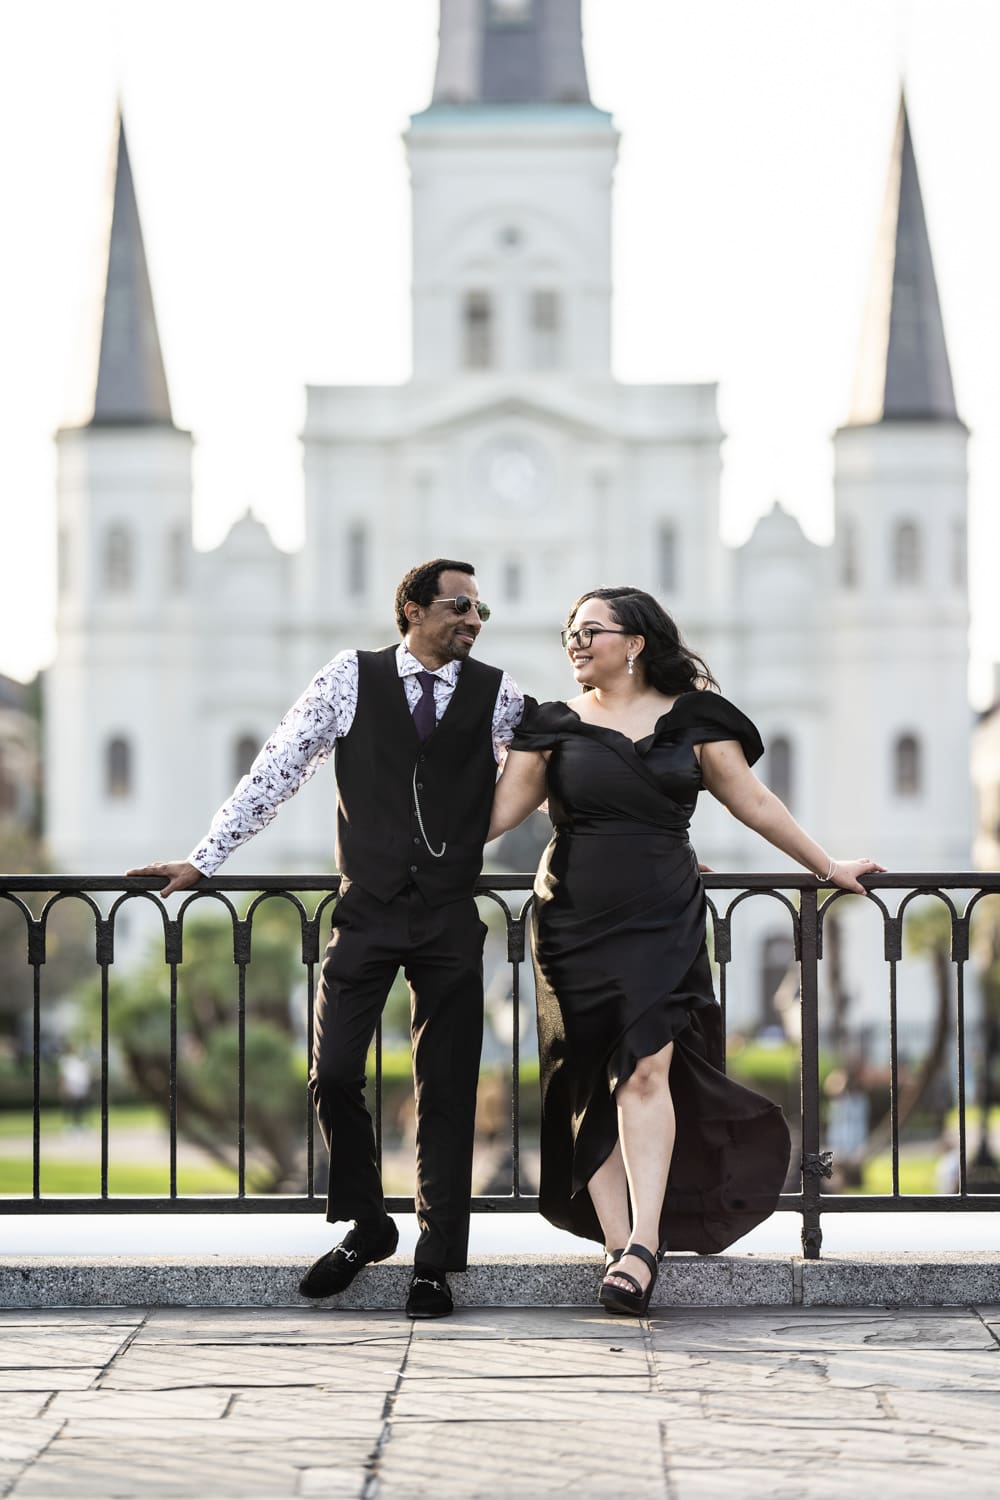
{"points": [[429, 1295], [335, 1270]]}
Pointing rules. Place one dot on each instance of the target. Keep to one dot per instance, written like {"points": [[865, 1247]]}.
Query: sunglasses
{"points": [[583, 637], [461, 604]]}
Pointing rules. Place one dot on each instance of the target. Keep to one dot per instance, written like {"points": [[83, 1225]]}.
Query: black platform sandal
{"points": [[618, 1299]]}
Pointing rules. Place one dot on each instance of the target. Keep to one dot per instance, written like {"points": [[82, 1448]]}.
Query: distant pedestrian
{"points": [[75, 1078]]}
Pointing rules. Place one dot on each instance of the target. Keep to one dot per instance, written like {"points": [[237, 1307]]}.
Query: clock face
{"points": [[514, 473]]}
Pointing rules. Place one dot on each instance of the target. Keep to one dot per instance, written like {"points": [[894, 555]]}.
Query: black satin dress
{"points": [[621, 969]]}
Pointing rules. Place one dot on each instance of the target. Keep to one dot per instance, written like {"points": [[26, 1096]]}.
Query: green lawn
{"points": [[14, 1122], [129, 1180], [917, 1174]]}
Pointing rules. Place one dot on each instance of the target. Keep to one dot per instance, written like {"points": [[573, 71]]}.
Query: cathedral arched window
{"points": [[849, 569], [509, 12], [513, 580], [477, 331], [667, 565], [959, 554], [244, 754], [177, 560], [118, 770], [545, 329], [781, 768], [907, 768], [357, 560], [62, 560], [118, 560], [906, 558]]}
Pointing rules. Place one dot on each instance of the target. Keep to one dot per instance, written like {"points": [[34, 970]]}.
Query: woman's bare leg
{"points": [[608, 1190], [646, 1129]]}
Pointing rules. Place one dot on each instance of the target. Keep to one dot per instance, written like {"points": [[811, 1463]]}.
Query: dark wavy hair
{"points": [[671, 667], [421, 584]]}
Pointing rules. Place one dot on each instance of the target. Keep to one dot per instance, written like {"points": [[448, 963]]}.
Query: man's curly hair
{"points": [[421, 584]]}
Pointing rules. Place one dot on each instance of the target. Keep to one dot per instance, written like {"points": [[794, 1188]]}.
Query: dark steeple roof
{"points": [[903, 373], [510, 52], [131, 383]]}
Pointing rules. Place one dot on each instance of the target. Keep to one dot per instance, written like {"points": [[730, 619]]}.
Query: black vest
{"points": [[380, 759]]}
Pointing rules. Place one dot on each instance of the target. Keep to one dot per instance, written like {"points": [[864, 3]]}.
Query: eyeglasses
{"points": [[462, 604], [583, 637]]}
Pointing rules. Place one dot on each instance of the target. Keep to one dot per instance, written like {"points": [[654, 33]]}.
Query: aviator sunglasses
{"points": [[462, 604]]}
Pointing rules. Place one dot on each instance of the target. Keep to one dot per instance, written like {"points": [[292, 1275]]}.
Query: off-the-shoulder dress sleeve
{"points": [[712, 717], [542, 725]]}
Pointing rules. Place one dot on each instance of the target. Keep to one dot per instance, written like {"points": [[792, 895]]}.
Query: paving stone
{"points": [[173, 1366], [270, 1325], [776, 1445], [892, 1482], [921, 1369], [951, 1409], [562, 1401], [329, 1482], [519, 1359], [136, 1406], [21, 1438], [60, 1345], [800, 1328], [478, 1461], [307, 1408], [228, 1470], [49, 1378], [69, 1317], [469, 1324], [819, 1405], [15, 1404]]}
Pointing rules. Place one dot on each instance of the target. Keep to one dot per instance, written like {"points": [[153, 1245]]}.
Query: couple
{"points": [[629, 1031]]}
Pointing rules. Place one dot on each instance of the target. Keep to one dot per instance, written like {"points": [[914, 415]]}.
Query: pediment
{"points": [[573, 414]]}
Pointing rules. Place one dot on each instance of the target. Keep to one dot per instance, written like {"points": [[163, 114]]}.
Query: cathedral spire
{"points": [[510, 52], [903, 373], [131, 383]]}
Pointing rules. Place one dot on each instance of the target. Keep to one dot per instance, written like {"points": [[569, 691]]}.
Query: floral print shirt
{"points": [[306, 736]]}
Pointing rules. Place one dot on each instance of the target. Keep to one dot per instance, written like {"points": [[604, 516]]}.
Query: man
{"points": [[417, 730]]}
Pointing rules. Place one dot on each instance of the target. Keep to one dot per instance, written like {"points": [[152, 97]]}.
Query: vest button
{"points": [[413, 869], [421, 758], [416, 841], [420, 786]]}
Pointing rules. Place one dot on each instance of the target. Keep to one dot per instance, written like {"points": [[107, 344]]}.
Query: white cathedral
{"points": [[514, 446]]}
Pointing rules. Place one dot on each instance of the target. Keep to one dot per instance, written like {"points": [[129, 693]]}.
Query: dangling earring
{"points": [[631, 659]]}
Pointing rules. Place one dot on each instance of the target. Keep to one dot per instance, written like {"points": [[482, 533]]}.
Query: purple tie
{"points": [[424, 716]]}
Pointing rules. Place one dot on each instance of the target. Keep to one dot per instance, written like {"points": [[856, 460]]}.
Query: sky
{"points": [[271, 177]]}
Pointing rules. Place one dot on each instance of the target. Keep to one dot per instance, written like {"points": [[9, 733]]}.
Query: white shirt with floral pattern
{"points": [[307, 735]]}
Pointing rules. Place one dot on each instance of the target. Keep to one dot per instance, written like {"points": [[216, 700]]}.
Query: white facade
{"points": [[514, 447]]}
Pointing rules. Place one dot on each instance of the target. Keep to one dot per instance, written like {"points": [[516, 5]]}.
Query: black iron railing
{"points": [[806, 910]]}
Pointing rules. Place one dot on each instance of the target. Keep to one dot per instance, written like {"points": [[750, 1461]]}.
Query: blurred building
{"points": [[20, 756], [986, 782], [514, 445]]}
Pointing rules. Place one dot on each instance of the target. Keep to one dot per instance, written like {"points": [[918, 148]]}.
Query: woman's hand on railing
{"points": [[180, 875], [845, 873]]}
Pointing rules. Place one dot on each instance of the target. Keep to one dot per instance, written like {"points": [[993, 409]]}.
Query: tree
{"points": [[207, 1043]]}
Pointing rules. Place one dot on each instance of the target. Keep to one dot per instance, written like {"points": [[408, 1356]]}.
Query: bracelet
{"points": [[833, 866]]}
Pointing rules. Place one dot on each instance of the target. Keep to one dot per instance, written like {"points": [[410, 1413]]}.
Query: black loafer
{"points": [[429, 1296], [335, 1270]]}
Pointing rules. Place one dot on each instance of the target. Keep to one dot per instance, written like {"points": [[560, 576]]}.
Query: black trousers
{"points": [[440, 950]]}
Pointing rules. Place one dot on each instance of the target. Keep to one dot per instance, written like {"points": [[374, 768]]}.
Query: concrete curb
{"points": [[914, 1279]]}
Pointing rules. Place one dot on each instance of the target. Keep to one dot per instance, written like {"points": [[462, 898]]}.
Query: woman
{"points": [[628, 1026]]}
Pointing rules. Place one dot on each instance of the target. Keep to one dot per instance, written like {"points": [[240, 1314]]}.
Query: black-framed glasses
{"points": [[583, 637], [461, 603]]}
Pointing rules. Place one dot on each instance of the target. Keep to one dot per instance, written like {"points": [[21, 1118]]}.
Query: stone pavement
{"points": [[789, 1403]]}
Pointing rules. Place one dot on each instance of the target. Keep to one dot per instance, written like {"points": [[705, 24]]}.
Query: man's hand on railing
{"points": [[180, 875]]}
